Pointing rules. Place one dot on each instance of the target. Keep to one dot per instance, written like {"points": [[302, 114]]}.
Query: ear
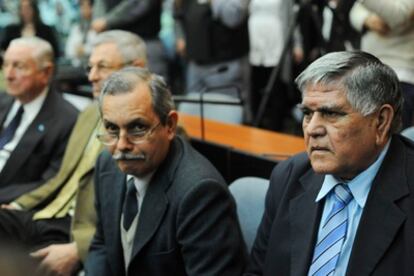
{"points": [[385, 117], [172, 124], [48, 69], [139, 63]]}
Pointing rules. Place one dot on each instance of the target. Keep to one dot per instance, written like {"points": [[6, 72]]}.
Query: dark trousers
{"points": [[18, 227], [278, 106]]}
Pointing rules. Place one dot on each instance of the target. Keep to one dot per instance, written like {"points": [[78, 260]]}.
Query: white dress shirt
{"points": [[30, 112], [127, 237]]}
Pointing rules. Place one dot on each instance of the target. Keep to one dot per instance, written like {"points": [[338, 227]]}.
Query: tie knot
{"points": [[20, 110], [131, 189], [343, 193]]}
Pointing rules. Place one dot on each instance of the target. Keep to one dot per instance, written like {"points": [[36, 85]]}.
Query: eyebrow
{"points": [[130, 123], [326, 108], [100, 62]]}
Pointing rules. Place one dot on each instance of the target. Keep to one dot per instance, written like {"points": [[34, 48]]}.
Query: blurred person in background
{"points": [[142, 17], [215, 42], [269, 21], [387, 29], [36, 121], [30, 24], [79, 44]]}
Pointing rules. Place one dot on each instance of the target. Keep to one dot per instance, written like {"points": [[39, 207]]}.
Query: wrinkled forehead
{"points": [[326, 95], [107, 53]]}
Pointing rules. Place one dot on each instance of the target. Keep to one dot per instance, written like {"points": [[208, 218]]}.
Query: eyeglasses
{"points": [[100, 68], [133, 137], [103, 68]]}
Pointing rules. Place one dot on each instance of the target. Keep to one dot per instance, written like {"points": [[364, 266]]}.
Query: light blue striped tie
{"points": [[332, 236]]}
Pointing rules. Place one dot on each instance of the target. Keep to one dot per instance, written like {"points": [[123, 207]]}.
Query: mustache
{"points": [[128, 156]]}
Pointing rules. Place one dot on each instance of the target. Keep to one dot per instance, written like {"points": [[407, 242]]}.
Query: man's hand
{"points": [[58, 259], [99, 25], [12, 206], [8, 206]]}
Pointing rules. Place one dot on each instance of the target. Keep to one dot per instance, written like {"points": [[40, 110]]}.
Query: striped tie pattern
{"points": [[332, 236]]}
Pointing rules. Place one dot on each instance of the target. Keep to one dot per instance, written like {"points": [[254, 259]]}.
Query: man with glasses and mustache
{"points": [[69, 196], [163, 209]]}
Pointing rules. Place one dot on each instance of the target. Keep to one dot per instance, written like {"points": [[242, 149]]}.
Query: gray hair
{"points": [[130, 46], [125, 80], [42, 51], [368, 83]]}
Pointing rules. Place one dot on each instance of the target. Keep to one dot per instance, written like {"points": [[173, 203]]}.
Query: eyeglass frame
{"points": [[102, 67], [115, 136]]}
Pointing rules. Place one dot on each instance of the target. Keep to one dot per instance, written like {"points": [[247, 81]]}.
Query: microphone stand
{"points": [[201, 101], [202, 127]]}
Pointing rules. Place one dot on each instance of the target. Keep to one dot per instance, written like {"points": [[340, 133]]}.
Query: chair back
{"points": [[408, 132], [249, 194]]}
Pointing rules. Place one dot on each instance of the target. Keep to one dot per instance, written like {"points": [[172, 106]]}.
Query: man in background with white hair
{"points": [[35, 120]]}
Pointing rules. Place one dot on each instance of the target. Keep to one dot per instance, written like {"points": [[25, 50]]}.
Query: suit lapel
{"points": [[305, 216], [80, 137], [382, 218], [6, 104], [33, 135], [114, 192], [155, 203], [153, 209]]}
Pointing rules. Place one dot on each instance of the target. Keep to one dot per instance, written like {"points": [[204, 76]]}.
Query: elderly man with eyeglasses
{"points": [[163, 209], [69, 196]]}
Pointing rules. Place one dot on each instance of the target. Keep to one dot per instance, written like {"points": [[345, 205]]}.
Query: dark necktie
{"points": [[130, 209], [333, 234], [8, 133]]}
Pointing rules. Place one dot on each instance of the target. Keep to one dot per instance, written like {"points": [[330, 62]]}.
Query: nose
{"points": [[8, 71], [123, 144], [314, 126], [93, 74]]}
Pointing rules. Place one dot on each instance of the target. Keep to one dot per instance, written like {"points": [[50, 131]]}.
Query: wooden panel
{"points": [[268, 144]]}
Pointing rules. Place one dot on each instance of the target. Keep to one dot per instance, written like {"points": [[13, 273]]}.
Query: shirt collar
{"points": [[359, 185], [32, 108], [141, 184]]}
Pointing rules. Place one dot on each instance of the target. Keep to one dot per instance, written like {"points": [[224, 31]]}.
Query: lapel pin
{"points": [[41, 128]]}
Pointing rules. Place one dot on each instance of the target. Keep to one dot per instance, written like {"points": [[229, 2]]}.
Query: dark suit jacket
{"points": [[384, 242], [187, 225], [38, 154]]}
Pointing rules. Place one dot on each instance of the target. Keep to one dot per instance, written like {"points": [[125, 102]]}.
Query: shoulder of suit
{"points": [[60, 104], [193, 166], [297, 165], [4, 95], [5, 100]]}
